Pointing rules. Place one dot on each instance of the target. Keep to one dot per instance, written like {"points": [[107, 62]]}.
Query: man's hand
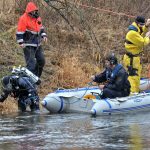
{"points": [[101, 86], [22, 45], [92, 78], [45, 39], [148, 34], [147, 23]]}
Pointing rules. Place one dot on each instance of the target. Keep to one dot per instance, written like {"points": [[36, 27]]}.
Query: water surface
{"points": [[45, 131]]}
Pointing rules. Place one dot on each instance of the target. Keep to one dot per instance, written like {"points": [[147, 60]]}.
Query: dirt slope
{"points": [[76, 47]]}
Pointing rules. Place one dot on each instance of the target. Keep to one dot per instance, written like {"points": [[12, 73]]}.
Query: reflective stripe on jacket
{"points": [[30, 30], [136, 39]]}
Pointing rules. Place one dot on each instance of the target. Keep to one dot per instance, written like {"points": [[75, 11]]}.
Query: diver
{"points": [[115, 78], [21, 86]]}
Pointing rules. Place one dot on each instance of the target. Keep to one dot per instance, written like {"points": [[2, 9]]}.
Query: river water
{"points": [[45, 131]]}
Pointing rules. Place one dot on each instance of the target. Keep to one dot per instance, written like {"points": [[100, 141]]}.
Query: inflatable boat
{"points": [[86, 100], [138, 102], [69, 100]]}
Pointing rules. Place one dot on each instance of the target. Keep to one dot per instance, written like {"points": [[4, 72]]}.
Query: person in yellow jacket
{"points": [[136, 38]]}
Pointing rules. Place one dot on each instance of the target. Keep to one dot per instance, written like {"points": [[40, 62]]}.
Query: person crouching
{"points": [[22, 89]]}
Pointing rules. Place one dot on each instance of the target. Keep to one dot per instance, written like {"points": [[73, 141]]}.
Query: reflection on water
{"points": [[135, 137], [74, 131]]}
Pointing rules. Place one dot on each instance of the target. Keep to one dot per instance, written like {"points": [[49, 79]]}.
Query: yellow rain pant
{"points": [[134, 80]]}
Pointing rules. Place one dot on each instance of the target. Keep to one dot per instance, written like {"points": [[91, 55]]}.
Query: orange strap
{"points": [[104, 10]]}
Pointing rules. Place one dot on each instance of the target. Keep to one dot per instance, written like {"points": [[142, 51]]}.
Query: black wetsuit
{"points": [[23, 90], [117, 82]]}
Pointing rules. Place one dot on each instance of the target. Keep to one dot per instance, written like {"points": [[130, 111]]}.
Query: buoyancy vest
{"points": [[114, 75], [108, 74], [111, 74], [115, 71], [131, 27]]}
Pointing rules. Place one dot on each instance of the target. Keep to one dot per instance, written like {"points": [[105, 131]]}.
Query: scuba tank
{"points": [[34, 78], [22, 71]]}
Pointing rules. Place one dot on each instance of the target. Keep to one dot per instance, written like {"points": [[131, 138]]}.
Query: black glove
{"points": [[38, 82], [1, 98]]}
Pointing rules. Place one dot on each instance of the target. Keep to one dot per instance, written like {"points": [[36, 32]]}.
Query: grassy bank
{"points": [[78, 38]]}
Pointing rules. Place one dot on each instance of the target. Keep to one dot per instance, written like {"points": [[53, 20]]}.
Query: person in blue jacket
{"points": [[115, 78]]}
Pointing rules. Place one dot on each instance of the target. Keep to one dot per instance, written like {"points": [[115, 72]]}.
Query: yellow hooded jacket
{"points": [[136, 39]]}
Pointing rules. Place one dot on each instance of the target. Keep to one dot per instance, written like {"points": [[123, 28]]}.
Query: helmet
{"points": [[112, 59], [6, 83], [140, 20]]}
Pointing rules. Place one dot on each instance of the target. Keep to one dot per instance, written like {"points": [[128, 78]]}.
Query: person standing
{"points": [[136, 38], [30, 34]]}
